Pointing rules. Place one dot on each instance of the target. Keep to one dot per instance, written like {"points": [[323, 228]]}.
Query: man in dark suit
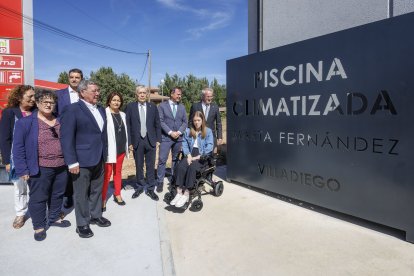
{"points": [[144, 133], [66, 97], [173, 119], [211, 112], [84, 145]]}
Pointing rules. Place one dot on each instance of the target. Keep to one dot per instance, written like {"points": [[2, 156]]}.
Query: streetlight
{"points": [[162, 90]]}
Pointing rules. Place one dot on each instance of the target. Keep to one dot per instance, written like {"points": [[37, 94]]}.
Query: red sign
{"points": [[11, 62], [11, 46], [4, 91], [11, 19], [11, 77]]}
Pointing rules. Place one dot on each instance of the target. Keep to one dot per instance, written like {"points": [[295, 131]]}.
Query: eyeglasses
{"points": [[54, 133], [45, 103]]}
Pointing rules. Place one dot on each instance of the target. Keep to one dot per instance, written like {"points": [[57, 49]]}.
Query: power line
{"points": [[36, 23], [143, 71]]}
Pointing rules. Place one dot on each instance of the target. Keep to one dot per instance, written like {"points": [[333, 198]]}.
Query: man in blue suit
{"points": [[144, 133], [173, 119], [84, 145], [66, 97], [70, 94]]}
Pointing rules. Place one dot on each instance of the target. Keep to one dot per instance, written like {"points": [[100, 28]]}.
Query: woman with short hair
{"points": [[117, 147]]}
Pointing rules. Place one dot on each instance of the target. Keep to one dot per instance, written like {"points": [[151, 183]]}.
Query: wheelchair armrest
{"points": [[209, 159]]}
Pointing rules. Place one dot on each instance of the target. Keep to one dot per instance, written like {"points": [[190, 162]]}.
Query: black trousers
{"points": [[185, 175], [87, 192], [145, 152], [69, 186]]}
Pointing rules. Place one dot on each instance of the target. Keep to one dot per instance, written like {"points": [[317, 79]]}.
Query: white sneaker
{"points": [[176, 198], [180, 203]]}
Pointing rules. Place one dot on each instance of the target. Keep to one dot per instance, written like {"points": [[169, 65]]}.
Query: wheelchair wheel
{"points": [[218, 188], [196, 205], [169, 196]]}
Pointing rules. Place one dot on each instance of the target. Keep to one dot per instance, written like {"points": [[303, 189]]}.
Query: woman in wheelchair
{"points": [[197, 143]]}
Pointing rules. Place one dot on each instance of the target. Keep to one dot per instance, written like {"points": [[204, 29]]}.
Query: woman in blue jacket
{"points": [[39, 160], [198, 141], [20, 104]]}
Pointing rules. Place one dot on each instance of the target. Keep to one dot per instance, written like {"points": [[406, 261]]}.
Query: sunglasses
{"points": [[54, 133]]}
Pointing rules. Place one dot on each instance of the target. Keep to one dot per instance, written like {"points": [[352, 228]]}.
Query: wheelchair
{"points": [[204, 176]]}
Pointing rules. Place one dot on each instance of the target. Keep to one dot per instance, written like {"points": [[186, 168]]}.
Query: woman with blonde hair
{"points": [[198, 142]]}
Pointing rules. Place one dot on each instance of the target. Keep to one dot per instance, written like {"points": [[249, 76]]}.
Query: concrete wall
{"points": [[287, 21]]}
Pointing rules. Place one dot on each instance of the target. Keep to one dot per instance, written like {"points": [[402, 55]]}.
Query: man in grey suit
{"points": [[173, 119], [211, 112]]}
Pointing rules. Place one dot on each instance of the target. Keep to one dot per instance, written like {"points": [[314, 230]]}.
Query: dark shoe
{"points": [[40, 236], [62, 224], [160, 187], [84, 231], [69, 203], [101, 222], [152, 195], [137, 193], [103, 209], [120, 202]]}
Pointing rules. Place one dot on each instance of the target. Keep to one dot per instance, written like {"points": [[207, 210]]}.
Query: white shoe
{"points": [[176, 198], [180, 203]]}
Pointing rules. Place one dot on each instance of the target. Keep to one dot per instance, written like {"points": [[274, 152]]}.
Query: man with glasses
{"points": [[211, 113], [144, 133], [84, 144], [66, 97]]}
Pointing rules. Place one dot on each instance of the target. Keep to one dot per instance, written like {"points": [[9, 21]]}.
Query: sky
{"points": [[184, 36]]}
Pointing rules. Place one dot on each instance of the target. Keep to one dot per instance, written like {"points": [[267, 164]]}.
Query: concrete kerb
{"points": [[165, 243]]}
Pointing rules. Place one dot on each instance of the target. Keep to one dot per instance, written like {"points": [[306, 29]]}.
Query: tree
{"points": [[63, 78], [109, 81], [192, 87]]}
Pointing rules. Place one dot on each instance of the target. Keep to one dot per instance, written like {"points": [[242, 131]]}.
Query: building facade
{"points": [[274, 23]]}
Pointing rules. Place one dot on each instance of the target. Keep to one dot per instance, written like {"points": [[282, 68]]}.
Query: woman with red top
{"points": [[117, 147], [39, 160], [20, 104]]}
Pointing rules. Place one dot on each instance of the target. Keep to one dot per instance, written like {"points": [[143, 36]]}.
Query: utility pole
{"points": [[149, 74]]}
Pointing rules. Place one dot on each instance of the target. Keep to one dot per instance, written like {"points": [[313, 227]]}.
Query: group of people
{"points": [[64, 144]]}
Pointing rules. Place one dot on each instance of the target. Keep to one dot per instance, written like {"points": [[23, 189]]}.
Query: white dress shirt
{"points": [[96, 114], [74, 96]]}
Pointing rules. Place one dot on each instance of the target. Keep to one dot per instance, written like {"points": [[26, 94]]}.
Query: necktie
{"points": [[174, 109], [143, 122], [207, 110]]}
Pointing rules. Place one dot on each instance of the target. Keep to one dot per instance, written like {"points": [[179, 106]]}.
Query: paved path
{"points": [[240, 233], [247, 233], [131, 246]]}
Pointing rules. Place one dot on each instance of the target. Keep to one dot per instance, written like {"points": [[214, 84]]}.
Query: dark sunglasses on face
{"points": [[54, 133]]}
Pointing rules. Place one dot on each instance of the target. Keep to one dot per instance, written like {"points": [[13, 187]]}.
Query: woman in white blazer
{"points": [[117, 147]]}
